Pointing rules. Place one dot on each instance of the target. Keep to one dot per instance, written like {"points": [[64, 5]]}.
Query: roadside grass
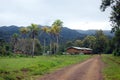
{"points": [[27, 68], [112, 67]]}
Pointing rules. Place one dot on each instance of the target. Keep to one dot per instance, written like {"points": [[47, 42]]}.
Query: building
{"points": [[78, 50]]}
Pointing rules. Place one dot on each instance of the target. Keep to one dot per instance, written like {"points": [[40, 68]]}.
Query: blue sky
{"points": [[76, 14]]}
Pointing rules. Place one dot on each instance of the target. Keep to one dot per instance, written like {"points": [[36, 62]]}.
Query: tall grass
{"points": [[25, 68], [112, 67]]}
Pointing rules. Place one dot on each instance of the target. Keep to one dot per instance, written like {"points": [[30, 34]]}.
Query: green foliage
{"points": [[38, 49], [101, 42], [5, 48], [17, 68], [112, 67], [115, 13], [78, 43], [58, 23], [55, 31], [115, 19], [110, 47], [33, 30], [89, 41], [69, 44], [116, 42]]}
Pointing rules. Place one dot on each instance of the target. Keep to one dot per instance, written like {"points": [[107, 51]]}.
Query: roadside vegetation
{"points": [[27, 42], [17, 68], [112, 67]]}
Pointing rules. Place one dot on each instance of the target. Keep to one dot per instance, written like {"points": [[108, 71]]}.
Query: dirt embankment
{"points": [[87, 70]]}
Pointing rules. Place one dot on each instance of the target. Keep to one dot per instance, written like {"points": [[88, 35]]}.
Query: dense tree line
{"points": [[99, 43], [27, 43], [23, 43], [115, 22]]}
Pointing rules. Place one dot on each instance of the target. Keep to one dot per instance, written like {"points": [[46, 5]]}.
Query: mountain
{"points": [[66, 34], [70, 34], [7, 31], [92, 32]]}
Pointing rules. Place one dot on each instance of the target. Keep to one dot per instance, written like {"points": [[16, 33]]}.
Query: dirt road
{"points": [[87, 70]]}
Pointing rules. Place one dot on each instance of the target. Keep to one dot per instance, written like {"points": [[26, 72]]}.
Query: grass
{"points": [[18, 68], [112, 67]]}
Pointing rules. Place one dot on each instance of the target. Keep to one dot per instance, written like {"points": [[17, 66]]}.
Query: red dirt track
{"points": [[87, 70]]}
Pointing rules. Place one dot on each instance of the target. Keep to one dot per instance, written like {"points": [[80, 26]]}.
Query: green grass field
{"points": [[18, 68], [112, 67]]}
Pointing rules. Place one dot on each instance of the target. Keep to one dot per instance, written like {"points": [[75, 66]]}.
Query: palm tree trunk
{"points": [[33, 44], [54, 46], [50, 46], [57, 45], [14, 48], [44, 46]]}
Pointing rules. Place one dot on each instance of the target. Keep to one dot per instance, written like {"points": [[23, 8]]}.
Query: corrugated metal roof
{"points": [[80, 48]]}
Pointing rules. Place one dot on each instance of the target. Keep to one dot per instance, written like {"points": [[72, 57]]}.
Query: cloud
{"points": [[71, 12], [90, 25]]}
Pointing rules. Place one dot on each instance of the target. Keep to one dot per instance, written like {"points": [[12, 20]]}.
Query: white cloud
{"points": [[90, 25], [71, 12]]}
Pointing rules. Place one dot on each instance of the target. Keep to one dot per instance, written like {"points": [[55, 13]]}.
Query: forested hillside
{"points": [[92, 32], [66, 34]]}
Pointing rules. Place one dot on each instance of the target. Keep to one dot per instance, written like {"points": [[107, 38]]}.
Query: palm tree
{"points": [[50, 31], [23, 31], [57, 25], [45, 30], [15, 40], [34, 29]]}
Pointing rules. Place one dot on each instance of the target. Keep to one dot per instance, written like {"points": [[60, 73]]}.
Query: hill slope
{"points": [[92, 32], [66, 34]]}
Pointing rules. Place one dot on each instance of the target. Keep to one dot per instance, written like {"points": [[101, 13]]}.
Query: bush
{"points": [[116, 52]]}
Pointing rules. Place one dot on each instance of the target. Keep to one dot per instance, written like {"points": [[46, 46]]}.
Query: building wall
{"points": [[73, 51], [76, 51], [87, 52]]}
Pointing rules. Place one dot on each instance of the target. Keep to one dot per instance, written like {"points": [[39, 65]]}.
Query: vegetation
{"points": [[19, 43], [17, 68], [115, 19], [56, 26], [45, 31], [51, 45], [93, 42], [112, 67], [33, 28], [101, 42]]}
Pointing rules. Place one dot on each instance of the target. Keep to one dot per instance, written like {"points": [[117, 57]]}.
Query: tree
{"points": [[34, 29], [56, 27], [69, 44], [115, 13], [110, 46], [51, 33], [116, 40], [38, 47], [2, 48], [78, 43], [45, 30], [115, 19], [101, 42], [89, 41], [23, 31], [14, 41]]}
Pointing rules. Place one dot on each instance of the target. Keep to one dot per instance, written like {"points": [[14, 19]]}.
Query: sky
{"points": [[76, 14]]}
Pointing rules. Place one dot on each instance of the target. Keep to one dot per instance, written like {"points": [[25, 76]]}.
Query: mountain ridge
{"points": [[66, 34], [92, 32]]}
